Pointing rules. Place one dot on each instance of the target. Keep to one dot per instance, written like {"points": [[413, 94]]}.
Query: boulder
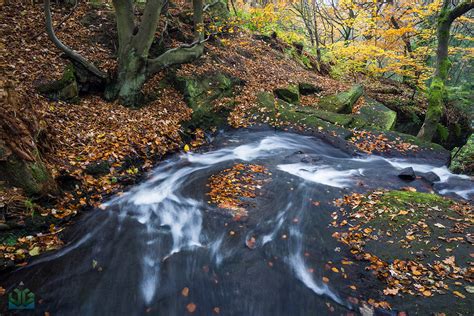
{"points": [[407, 174], [217, 8], [377, 115], [308, 88], [281, 111], [98, 168], [32, 176], [201, 91], [290, 94], [463, 158], [331, 117], [341, 102], [65, 89], [430, 177]]}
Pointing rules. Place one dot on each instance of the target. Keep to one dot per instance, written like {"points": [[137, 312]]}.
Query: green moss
{"points": [[403, 199], [331, 117], [342, 102], [32, 177], [200, 93], [377, 115], [283, 112], [64, 89], [443, 132], [463, 159]]}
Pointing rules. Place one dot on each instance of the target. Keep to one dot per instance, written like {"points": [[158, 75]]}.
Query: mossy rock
{"points": [[341, 102], [308, 88], [65, 89], [218, 8], [280, 111], [463, 159], [377, 115], [331, 117], [33, 177], [200, 92], [290, 94], [399, 212]]}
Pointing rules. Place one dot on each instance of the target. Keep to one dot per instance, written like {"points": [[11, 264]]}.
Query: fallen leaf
{"points": [[459, 294], [191, 307], [390, 291], [185, 291]]}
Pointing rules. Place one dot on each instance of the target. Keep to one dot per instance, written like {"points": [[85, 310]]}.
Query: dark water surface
{"points": [[136, 256]]}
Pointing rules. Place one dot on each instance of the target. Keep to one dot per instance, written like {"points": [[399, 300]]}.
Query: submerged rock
{"points": [[431, 177], [341, 102], [407, 174]]}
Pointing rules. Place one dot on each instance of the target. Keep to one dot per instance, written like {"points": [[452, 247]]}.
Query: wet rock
{"points": [[98, 168], [308, 88], [341, 102], [431, 177], [290, 94], [407, 174], [309, 159]]}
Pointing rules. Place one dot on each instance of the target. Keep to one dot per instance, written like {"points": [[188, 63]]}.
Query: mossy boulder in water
{"points": [[201, 92], [289, 94], [376, 114], [341, 102], [463, 159]]}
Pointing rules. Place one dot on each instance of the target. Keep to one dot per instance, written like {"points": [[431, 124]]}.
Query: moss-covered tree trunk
{"points": [[134, 63], [437, 92]]}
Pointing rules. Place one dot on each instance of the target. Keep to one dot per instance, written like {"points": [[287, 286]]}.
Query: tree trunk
{"points": [[130, 79], [134, 64], [437, 94]]}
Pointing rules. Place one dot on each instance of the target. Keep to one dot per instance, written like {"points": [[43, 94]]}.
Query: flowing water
{"points": [[135, 256]]}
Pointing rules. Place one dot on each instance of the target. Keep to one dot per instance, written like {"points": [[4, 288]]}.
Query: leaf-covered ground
{"points": [[417, 244]]}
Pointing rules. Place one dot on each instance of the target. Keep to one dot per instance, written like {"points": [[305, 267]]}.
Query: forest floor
{"points": [[80, 137]]}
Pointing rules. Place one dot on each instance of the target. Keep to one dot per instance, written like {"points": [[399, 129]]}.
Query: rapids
{"points": [[135, 255]]}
